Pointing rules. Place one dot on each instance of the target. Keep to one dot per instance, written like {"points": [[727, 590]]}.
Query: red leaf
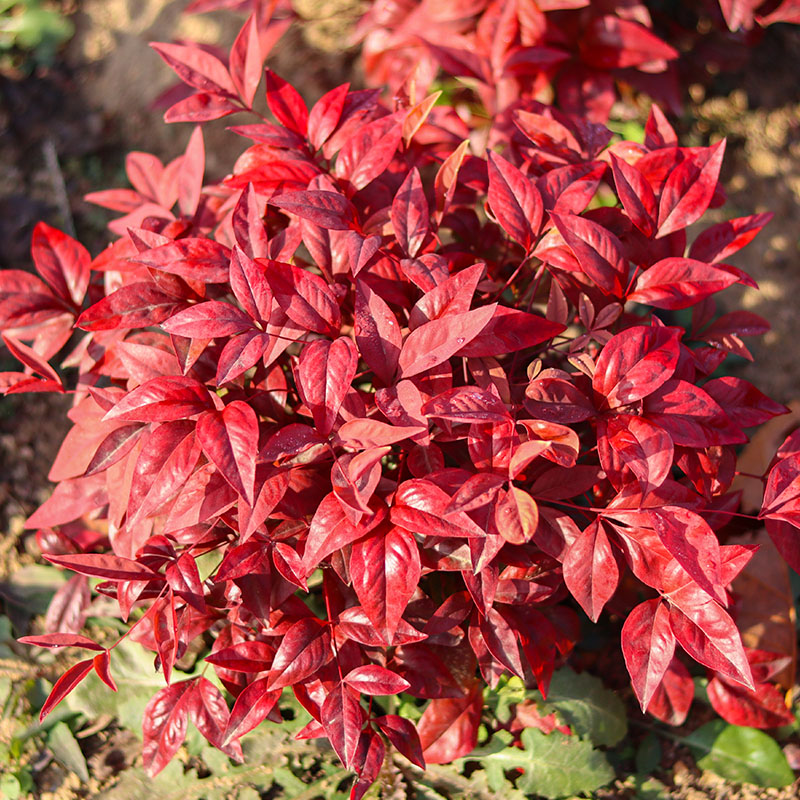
{"points": [[246, 61], [724, 239], [324, 373], [636, 194], [286, 104], [304, 297], [249, 284], [230, 440], [385, 570], [599, 252], [373, 679], [201, 260], [708, 634], [673, 697], [611, 43], [436, 341], [467, 404], [171, 397], [62, 262], [410, 215], [591, 572], [635, 363], [114, 447], [241, 353], [104, 565], [676, 283], [762, 707], [515, 201], [643, 447], [343, 718], [329, 210], [689, 188], [196, 67], [30, 358], [377, 333], [190, 174], [102, 663], [366, 433], [648, 645], [164, 725], [209, 713], [402, 733], [183, 578], [745, 405], [208, 320], [420, 506], [135, 305], [306, 648], [251, 708], [448, 728], [243, 656], [557, 400], [61, 640], [65, 684], [325, 115]]}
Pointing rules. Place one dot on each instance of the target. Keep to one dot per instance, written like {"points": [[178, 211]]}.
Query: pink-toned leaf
{"points": [[209, 713], [304, 297], [246, 61], [62, 262], [230, 440], [249, 284], [61, 640], [208, 320], [377, 332], [198, 259], [325, 115], [196, 67], [135, 305], [436, 341], [635, 363], [104, 565], [171, 397], [329, 210]]}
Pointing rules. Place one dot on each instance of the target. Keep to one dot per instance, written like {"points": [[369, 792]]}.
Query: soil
{"points": [[65, 131]]}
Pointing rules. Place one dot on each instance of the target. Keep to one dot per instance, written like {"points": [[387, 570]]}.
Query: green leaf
{"points": [[31, 588], [554, 765], [66, 749], [591, 710], [648, 755], [742, 755], [649, 789]]}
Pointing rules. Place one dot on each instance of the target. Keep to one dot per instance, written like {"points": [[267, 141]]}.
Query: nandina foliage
{"points": [[577, 50], [423, 403]]}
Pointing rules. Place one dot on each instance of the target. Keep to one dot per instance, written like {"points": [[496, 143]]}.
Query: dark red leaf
{"points": [[305, 648], [196, 67], [171, 397], [136, 305], [104, 565], [402, 733], [65, 684], [61, 640], [201, 260], [251, 708], [410, 215], [343, 718], [448, 729]]}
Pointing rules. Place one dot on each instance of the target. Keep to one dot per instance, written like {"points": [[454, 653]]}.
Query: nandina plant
{"points": [[426, 405]]}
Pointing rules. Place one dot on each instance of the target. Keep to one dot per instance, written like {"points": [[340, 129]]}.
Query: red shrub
{"points": [[449, 388]]}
